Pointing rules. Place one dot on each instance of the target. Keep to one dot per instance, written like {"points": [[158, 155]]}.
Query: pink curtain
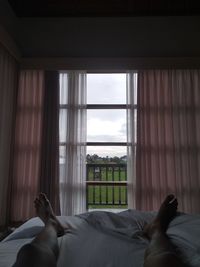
{"points": [[8, 90], [27, 145], [168, 138]]}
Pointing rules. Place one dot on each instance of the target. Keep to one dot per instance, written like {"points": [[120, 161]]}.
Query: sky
{"points": [[106, 125], [106, 88]]}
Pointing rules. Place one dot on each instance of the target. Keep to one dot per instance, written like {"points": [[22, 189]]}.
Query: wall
{"points": [[99, 40], [110, 37], [9, 29]]}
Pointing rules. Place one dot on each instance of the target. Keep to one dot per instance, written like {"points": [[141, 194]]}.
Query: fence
{"points": [[106, 185]]}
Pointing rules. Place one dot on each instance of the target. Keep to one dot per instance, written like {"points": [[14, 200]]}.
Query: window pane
{"points": [[62, 162], [62, 155], [62, 125], [106, 152], [63, 88], [106, 164], [109, 88], [107, 197], [106, 125]]}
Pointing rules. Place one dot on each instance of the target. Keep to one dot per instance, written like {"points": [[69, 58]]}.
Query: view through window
{"points": [[106, 155], [106, 141]]}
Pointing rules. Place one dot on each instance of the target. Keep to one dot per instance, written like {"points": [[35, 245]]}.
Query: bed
{"points": [[105, 239]]}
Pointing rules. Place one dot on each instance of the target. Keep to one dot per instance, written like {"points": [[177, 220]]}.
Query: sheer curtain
{"points": [[131, 93], [168, 138], [8, 92], [27, 144], [73, 142]]}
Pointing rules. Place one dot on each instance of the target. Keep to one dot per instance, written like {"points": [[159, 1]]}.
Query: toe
{"points": [[36, 199], [169, 198], [37, 202], [43, 197]]}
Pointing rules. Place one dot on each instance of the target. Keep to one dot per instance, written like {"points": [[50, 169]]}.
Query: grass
{"points": [[108, 175], [107, 207], [101, 196]]}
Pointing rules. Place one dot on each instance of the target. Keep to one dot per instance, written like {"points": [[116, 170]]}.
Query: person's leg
{"points": [[160, 252], [43, 250]]}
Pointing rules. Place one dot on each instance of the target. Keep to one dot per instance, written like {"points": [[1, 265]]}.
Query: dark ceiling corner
{"points": [[103, 8]]}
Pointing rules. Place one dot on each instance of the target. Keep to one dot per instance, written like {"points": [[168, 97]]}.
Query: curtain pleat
{"points": [[27, 145], [49, 177], [8, 90], [131, 93], [168, 138], [73, 136]]}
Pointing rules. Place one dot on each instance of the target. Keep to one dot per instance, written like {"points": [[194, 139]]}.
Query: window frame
{"points": [[124, 144], [104, 107]]}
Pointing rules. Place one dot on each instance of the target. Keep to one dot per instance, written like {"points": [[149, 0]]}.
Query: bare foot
{"points": [[43, 208], [45, 212], [165, 215]]}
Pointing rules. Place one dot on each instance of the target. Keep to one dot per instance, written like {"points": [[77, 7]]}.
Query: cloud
{"points": [[123, 129], [107, 114], [106, 88], [106, 125], [106, 138], [105, 130]]}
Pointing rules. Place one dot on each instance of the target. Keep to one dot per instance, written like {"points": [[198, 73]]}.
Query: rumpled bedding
{"points": [[105, 239]]}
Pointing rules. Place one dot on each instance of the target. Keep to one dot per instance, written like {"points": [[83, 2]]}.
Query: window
{"points": [[106, 141]]}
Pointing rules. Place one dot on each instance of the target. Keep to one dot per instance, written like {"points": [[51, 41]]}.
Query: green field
{"points": [[101, 196], [107, 174]]}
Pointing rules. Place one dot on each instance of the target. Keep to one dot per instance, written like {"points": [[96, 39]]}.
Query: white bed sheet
{"points": [[103, 239]]}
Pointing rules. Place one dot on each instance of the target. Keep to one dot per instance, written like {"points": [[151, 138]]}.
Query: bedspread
{"points": [[105, 239]]}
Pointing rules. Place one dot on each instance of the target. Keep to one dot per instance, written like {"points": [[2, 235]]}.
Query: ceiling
{"points": [[98, 8]]}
